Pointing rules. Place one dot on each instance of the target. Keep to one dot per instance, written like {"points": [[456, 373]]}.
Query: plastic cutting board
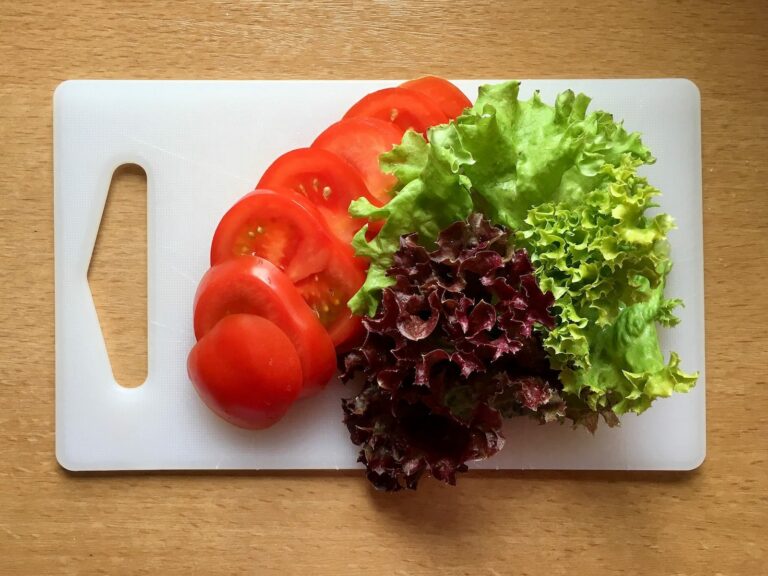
{"points": [[203, 145]]}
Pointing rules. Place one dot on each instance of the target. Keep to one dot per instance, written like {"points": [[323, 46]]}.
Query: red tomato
{"points": [[447, 96], [284, 228], [252, 285], [246, 370], [327, 180], [360, 141], [401, 106], [328, 292]]}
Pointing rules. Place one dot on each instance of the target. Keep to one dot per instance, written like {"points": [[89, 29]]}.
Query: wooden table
{"points": [[711, 521]]}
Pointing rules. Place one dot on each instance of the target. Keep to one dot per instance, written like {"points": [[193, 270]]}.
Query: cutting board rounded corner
{"points": [[66, 460]]}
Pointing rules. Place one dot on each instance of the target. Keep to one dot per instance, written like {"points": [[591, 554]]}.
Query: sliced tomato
{"points": [[252, 285], [360, 141], [446, 95], [282, 227], [327, 180], [246, 370], [328, 292], [401, 106]]}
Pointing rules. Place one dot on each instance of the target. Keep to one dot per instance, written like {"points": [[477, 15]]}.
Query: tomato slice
{"points": [[446, 95], [252, 285], [360, 141], [327, 180], [328, 292], [284, 228], [246, 370], [401, 106]]}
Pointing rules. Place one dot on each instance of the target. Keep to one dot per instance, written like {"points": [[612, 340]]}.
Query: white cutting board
{"points": [[205, 144]]}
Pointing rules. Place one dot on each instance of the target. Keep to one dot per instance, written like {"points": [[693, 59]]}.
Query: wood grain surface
{"points": [[711, 521]]}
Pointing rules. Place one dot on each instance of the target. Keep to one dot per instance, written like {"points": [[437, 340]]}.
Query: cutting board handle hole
{"points": [[117, 275]]}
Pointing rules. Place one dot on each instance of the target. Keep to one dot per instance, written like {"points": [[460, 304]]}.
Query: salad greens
{"points": [[432, 195], [501, 157], [565, 181], [450, 352], [606, 262]]}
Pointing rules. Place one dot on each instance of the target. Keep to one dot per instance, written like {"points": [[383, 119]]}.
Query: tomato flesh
{"points": [[246, 370], [445, 94], [282, 227], [401, 106], [360, 141], [326, 180], [252, 285], [327, 294]]}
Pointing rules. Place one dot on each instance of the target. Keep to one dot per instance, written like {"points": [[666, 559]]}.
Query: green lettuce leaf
{"points": [[606, 262], [432, 195], [592, 255], [626, 369], [527, 153]]}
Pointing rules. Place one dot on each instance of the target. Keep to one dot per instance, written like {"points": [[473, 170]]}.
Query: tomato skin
{"points": [[252, 285], [401, 106], [246, 370], [328, 292], [329, 182], [360, 141], [445, 94], [282, 227]]}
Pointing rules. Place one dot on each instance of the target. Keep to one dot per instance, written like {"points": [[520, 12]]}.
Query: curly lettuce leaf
{"points": [[430, 198], [450, 352], [526, 153], [407, 160], [606, 262], [626, 366]]}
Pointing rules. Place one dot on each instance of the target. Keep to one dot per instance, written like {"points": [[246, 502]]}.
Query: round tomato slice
{"points": [[284, 228], [246, 370], [328, 292], [252, 285], [327, 180], [360, 141], [446, 95], [401, 106]]}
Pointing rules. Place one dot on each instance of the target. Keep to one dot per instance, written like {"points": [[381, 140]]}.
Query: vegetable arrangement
{"points": [[468, 262]]}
